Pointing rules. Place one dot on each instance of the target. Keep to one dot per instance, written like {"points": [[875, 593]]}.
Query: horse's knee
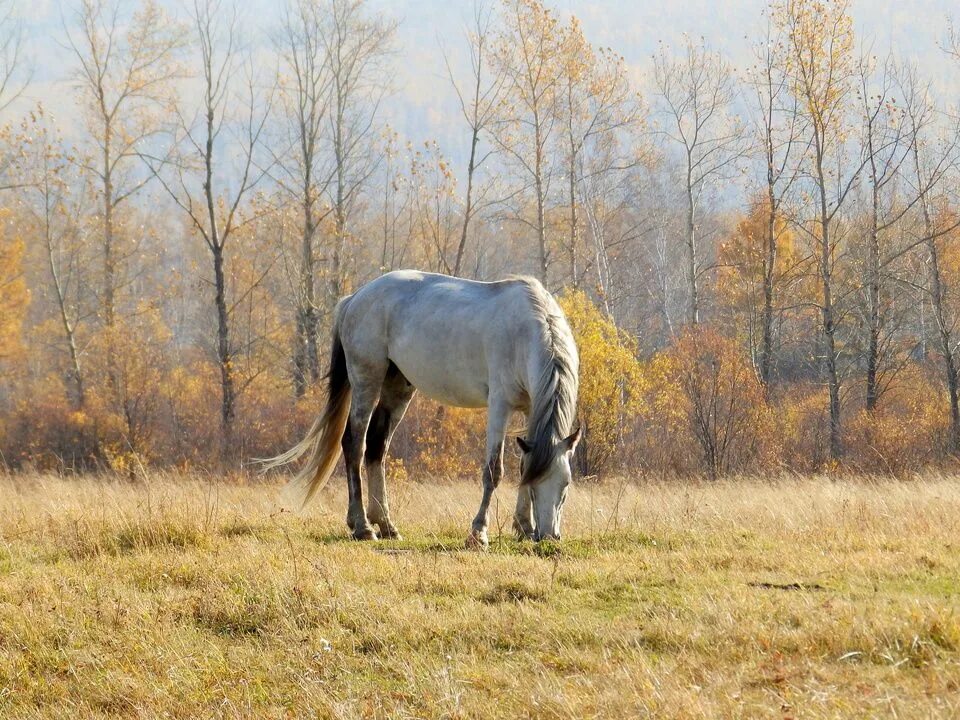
{"points": [[492, 474]]}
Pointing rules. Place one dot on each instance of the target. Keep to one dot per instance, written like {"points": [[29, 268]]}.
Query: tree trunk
{"points": [[875, 321], [541, 212], [77, 396], [109, 265], [938, 305], [827, 310], [692, 257], [766, 316], [468, 209], [573, 216], [340, 209], [306, 356], [109, 269], [943, 331], [228, 392], [216, 244], [873, 286]]}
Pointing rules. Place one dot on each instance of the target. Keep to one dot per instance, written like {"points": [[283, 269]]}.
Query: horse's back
{"points": [[447, 335]]}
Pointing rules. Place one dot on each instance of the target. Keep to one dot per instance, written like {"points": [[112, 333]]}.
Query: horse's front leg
{"points": [[523, 523], [498, 415]]}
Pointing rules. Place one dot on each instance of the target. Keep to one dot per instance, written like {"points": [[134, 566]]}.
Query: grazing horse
{"points": [[501, 345]]}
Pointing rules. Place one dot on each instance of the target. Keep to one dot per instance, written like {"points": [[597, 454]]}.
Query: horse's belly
{"points": [[460, 383]]}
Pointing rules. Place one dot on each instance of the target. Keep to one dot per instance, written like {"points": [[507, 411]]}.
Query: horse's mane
{"points": [[553, 399]]}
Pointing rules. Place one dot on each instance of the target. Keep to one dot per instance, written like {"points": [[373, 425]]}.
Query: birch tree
{"points": [[356, 43], [696, 91], [822, 74], [479, 100], [125, 68], [601, 114], [529, 53], [212, 169], [779, 133], [303, 171]]}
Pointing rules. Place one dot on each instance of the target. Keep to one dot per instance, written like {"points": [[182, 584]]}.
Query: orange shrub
{"points": [[706, 402], [908, 429], [45, 433], [192, 406], [802, 426]]}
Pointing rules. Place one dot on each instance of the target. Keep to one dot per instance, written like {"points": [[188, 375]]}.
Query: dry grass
{"points": [[803, 598]]}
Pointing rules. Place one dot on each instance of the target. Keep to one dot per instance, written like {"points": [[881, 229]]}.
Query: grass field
{"points": [[191, 599]]}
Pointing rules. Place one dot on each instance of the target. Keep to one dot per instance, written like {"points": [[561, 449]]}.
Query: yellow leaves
{"points": [[611, 381], [744, 255], [820, 60], [14, 295], [448, 440]]}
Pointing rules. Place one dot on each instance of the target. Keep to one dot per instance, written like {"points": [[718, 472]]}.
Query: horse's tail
{"points": [[322, 443]]}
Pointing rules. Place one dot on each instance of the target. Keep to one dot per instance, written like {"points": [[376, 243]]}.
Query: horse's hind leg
{"points": [[363, 400], [395, 396]]}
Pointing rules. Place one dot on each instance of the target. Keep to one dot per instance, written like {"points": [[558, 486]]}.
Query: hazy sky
{"points": [[423, 105]]}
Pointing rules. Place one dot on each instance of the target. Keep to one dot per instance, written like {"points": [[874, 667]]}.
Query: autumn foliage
{"points": [[754, 290]]}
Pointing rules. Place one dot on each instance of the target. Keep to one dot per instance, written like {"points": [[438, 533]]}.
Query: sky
{"points": [[423, 106]]}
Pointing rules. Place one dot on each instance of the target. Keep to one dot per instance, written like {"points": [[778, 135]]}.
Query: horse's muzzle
{"points": [[546, 536]]}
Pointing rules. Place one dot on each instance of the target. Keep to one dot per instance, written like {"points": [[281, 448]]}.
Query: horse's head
{"points": [[548, 483]]}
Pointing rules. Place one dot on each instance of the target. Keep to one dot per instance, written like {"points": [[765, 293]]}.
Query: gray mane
{"points": [[553, 400]]}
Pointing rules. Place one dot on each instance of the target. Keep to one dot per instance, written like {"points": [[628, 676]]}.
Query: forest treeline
{"points": [[760, 262]]}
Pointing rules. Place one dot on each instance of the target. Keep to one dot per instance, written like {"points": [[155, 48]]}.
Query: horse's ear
{"points": [[571, 442], [523, 445]]}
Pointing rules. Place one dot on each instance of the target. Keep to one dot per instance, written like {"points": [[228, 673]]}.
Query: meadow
{"points": [[189, 597]]}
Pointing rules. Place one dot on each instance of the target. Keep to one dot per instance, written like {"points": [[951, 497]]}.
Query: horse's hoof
{"points": [[390, 533], [364, 533], [477, 541]]}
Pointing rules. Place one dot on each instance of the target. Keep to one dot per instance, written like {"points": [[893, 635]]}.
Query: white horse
{"points": [[501, 345]]}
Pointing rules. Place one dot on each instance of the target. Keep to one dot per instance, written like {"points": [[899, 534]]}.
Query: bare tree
{"points": [[54, 198], [929, 165], [397, 207], [210, 144], [303, 172], [356, 44], [886, 146], [126, 66], [697, 93], [779, 129], [479, 104], [822, 73], [529, 53], [601, 114]]}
